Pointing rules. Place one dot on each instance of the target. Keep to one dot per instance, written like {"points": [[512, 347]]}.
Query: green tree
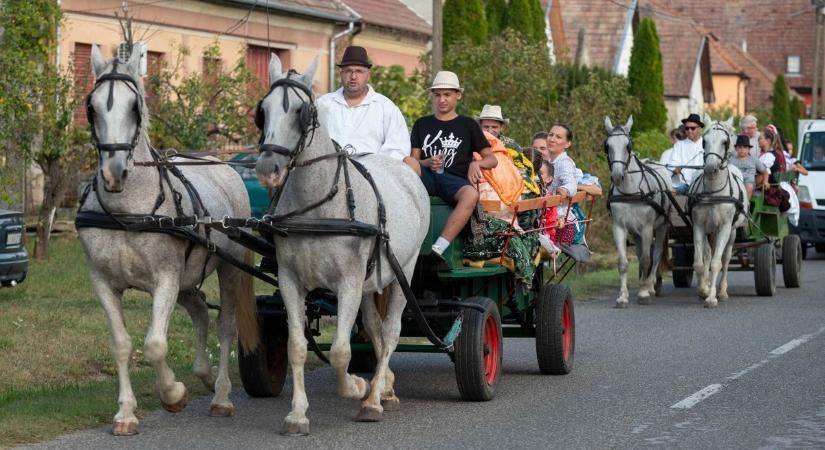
{"points": [[196, 111], [781, 112], [464, 19], [527, 17], [37, 101], [496, 12], [796, 114], [646, 78], [409, 93]]}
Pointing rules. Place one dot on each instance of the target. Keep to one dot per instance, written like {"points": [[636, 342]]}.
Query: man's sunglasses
{"points": [[691, 128]]}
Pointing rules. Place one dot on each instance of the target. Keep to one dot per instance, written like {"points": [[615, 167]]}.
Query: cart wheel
{"points": [[263, 371], [792, 261], [682, 257], [555, 330], [764, 270], [478, 351]]}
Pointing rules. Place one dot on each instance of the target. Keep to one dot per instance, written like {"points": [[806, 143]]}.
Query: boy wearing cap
{"points": [[359, 119], [442, 155], [748, 165]]}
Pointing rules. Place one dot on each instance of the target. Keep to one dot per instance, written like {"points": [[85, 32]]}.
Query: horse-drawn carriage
{"points": [[473, 306], [758, 247], [711, 227]]}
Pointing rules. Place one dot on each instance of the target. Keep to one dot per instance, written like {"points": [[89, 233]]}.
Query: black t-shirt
{"points": [[456, 139]]}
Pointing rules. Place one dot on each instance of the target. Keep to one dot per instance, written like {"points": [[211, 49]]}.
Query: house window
{"points": [[257, 58], [84, 79], [794, 65]]}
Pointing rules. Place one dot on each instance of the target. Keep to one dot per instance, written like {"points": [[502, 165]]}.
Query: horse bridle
{"points": [[619, 131], [111, 77], [722, 158], [307, 116]]}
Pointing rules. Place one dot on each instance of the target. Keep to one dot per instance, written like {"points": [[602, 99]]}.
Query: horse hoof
{"points": [[391, 404], [711, 305], [620, 305], [645, 300], [298, 427], [369, 414], [125, 429], [179, 405], [221, 410]]}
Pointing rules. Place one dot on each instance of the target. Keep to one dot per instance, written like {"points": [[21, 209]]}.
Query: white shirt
{"points": [[375, 125], [755, 151], [687, 153], [767, 159], [665, 159]]}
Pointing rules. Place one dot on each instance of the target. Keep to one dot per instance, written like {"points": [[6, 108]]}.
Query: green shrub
{"points": [[463, 19], [651, 144]]}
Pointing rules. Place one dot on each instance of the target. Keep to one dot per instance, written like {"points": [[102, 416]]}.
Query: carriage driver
{"points": [[360, 119], [687, 152], [442, 155]]}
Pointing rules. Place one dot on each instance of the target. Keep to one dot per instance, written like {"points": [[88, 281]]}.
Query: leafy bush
{"points": [[647, 79], [651, 144], [409, 93], [463, 19]]}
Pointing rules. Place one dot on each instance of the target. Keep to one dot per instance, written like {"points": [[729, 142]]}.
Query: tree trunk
{"points": [[58, 175]]}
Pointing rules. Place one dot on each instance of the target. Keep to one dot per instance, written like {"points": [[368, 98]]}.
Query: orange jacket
{"points": [[505, 177]]}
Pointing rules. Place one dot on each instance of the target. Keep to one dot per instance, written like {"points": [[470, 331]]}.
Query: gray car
{"points": [[14, 260]]}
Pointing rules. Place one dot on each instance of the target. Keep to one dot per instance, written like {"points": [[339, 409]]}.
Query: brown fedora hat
{"points": [[355, 56]]}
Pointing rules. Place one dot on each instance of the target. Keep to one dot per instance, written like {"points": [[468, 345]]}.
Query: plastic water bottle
{"points": [[440, 169]]}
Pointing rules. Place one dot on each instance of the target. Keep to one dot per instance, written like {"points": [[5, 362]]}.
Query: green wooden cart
{"points": [[472, 307]]}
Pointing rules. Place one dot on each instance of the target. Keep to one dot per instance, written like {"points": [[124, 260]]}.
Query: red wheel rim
{"points": [[567, 332], [492, 349]]}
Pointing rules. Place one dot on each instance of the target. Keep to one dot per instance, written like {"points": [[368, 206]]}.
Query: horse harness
{"points": [[646, 194], [181, 226], [717, 197]]}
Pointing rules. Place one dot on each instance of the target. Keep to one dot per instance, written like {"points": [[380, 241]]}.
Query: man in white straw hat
{"points": [[442, 155], [493, 121]]}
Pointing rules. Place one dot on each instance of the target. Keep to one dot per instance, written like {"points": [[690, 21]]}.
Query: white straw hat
{"points": [[492, 112], [446, 80]]}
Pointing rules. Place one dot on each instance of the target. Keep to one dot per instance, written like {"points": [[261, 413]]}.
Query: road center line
{"points": [[693, 399]]}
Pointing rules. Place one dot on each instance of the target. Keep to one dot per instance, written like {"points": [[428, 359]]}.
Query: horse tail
{"points": [[246, 315]]}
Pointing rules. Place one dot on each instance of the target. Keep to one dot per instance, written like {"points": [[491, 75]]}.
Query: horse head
{"points": [[717, 144], [618, 148], [285, 116], [114, 109]]}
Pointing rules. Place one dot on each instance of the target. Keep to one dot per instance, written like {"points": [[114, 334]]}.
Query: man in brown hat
{"points": [[358, 118]]}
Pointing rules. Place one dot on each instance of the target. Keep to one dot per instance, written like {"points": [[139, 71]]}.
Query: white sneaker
{"points": [[438, 249]]}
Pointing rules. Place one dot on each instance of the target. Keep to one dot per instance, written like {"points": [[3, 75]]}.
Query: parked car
{"points": [[811, 151], [258, 195], [14, 260]]}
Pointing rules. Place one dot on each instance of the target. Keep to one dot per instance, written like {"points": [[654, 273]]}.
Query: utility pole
{"points": [[818, 5], [438, 35]]}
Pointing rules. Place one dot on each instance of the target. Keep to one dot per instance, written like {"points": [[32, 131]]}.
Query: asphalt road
{"points": [[749, 374]]}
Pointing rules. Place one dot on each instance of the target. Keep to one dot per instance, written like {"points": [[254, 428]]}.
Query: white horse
{"points": [[157, 263], [639, 206], [292, 136], [718, 204]]}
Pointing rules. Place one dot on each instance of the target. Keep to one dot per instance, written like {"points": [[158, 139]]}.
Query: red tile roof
{"points": [[390, 14], [728, 58], [601, 22], [682, 42], [773, 30]]}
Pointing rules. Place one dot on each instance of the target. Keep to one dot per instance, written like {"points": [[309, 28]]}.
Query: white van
{"points": [[811, 152]]}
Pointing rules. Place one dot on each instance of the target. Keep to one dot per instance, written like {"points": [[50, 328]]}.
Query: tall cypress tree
{"points": [[520, 18], [464, 19], [496, 11], [646, 78], [537, 16], [781, 113]]}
